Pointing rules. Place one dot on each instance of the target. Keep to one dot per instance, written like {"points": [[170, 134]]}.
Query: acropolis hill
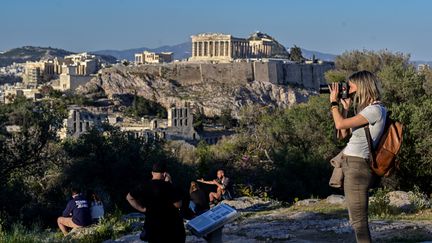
{"points": [[223, 72]]}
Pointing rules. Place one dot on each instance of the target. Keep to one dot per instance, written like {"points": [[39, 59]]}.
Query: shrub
{"points": [[379, 203], [419, 199]]}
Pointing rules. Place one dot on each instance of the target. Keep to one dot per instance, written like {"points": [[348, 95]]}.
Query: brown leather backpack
{"points": [[383, 158]]}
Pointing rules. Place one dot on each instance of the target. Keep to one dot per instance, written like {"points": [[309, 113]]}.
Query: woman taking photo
{"points": [[365, 97]]}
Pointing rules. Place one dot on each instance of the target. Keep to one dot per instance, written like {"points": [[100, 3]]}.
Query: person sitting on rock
{"points": [[222, 183], [198, 201], [97, 210], [76, 214]]}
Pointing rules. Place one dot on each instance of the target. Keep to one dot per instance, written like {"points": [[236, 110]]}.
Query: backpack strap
{"points": [[369, 140]]}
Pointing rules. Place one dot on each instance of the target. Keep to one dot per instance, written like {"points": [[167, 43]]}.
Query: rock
{"points": [[400, 200], [134, 216], [335, 199], [307, 202], [78, 233], [250, 203], [211, 97], [303, 215], [131, 238]]}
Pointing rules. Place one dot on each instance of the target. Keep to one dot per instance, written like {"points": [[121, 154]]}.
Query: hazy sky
{"points": [[328, 26]]}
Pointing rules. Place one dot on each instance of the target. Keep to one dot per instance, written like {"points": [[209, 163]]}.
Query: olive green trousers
{"points": [[357, 179]]}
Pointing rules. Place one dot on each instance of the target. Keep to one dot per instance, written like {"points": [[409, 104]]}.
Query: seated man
{"points": [[76, 214], [222, 184]]}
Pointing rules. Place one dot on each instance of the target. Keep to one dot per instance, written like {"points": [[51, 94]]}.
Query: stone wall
{"points": [[305, 75]]}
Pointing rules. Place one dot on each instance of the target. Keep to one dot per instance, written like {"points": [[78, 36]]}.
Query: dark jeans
{"points": [[357, 179]]}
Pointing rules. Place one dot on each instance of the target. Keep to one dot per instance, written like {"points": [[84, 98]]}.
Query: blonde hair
{"points": [[368, 89]]}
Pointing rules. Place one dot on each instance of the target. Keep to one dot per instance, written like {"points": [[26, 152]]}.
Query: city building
{"points": [[80, 64], [422, 67], [38, 72], [76, 70], [9, 93], [153, 57]]}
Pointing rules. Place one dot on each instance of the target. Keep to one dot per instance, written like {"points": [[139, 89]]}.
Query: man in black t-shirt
{"points": [[76, 214], [160, 202]]}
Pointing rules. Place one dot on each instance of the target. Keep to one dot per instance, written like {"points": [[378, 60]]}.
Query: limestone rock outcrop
{"points": [[211, 97]]}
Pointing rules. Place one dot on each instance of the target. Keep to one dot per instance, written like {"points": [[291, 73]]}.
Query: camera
{"points": [[343, 90]]}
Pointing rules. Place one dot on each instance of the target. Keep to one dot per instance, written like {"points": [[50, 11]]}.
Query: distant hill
{"points": [[33, 53], [183, 50], [319, 55], [30, 53], [416, 63]]}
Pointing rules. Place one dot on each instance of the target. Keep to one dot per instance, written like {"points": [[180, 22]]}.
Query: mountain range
{"points": [[34, 53], [183, 51]]}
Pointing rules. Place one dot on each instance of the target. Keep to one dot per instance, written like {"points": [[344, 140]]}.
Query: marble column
{"points": [[216, 43], [193, 49], [221, 48]]}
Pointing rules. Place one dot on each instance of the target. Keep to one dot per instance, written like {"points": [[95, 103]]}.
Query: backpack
{"points": [[383, 159]]}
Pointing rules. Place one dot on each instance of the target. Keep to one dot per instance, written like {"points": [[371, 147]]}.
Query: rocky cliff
{"points": [[213, 91]]}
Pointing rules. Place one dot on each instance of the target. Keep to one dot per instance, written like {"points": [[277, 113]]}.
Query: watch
{"points": [[334, 103]]}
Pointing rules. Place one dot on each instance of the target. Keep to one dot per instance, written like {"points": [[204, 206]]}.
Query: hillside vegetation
{"points": [[277, 153]]}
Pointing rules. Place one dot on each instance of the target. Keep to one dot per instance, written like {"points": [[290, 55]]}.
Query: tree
{"points": [[296, 54], [226, 119], [29, 147], [141, 107]]}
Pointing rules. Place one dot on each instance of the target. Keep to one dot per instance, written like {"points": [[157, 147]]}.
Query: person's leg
{"points": [[357, 177], [218, 194], [64, 223], [192, 206], [211, 196]]}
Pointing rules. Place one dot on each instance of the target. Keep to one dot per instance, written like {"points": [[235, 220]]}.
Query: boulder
{"points": [[250, 203], [400, 200], [335, 199], [78, 233], [307, 202]]}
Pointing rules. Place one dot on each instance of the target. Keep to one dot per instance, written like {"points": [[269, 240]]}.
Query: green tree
{"points": [[296, 54], [226, 119], [142, 107]]}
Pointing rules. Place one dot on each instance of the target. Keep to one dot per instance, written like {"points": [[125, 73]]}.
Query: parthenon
{"points": [[218, 47], [215, 47]]}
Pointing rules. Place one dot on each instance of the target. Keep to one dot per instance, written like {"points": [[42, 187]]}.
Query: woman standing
{"points": [[365, 97]]}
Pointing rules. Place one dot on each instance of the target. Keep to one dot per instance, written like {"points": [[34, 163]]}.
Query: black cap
{"points": [[159, 167]]}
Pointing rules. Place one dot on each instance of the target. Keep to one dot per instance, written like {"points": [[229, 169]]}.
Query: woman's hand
{"points": [[334, 92], [346, 103]]}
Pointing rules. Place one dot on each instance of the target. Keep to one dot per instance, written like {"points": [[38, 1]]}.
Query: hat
{"points": [[159, 167]]}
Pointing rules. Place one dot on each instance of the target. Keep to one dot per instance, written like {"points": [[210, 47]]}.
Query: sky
{"points": [[329, 26]]}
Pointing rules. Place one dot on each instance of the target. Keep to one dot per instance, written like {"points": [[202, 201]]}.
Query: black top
{"points": [[79, 210], [163, 222], [200, 200]]}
